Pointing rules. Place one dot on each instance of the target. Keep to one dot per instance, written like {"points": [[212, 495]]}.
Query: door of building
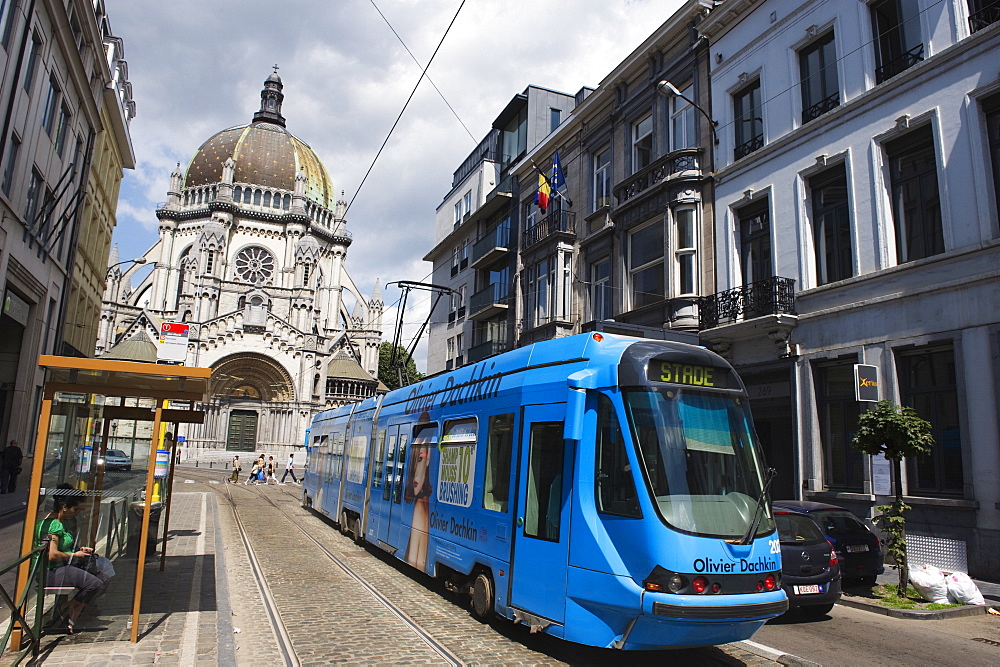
{"points": [[242, 433]]}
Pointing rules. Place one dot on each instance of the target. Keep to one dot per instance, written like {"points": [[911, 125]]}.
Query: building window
{"points": [[467, 204], [450, 359], [541, 281], [755, 242], [32, 198], [749, 120], [254, 265], [51, 104], [831, 226], [602, 178], [927, 384], [600, 289], [459, 346], [554, 118], [837, 409], [458, 213], [32, 64], [646, 265], [682, 120], [685, 252], [916, 207], [818, 69], [642, 143], [898, 45], [8, 171], [61, 127], [463, 259], [991, 107], [983, 13], [6, 21]]}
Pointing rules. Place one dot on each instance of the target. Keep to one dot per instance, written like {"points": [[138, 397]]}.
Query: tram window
{"points": [[498, 454], [615, 487], [397, 493], [379, 453], [543, 507], [338, 454], [390, 458]]}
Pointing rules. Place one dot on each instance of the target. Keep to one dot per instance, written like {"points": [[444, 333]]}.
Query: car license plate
{"points": [[805, 590], [856, 548]]}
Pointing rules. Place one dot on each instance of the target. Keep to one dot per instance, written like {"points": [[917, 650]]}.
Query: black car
{"points": [[858, 548], [810, 570]]}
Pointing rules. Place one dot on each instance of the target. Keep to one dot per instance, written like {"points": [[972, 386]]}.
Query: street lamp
{"points": [[668, 89], [137, 260]]}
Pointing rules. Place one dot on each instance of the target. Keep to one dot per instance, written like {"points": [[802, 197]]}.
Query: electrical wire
{"points": [[403, 110]]}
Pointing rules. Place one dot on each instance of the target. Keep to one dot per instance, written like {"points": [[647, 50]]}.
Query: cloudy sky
{"points": [[198, 67]]}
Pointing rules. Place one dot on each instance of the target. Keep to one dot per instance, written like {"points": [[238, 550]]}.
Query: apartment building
{"points": [[856, 183]]}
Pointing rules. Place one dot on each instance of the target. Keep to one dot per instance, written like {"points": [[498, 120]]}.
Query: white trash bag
{"points": [[963, 590], [930, 583]]}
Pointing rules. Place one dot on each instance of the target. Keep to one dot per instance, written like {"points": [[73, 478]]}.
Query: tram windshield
{"points": [[700, 460]]}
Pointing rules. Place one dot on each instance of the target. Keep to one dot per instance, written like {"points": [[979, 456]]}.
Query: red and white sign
{"points": [[173, 342]]}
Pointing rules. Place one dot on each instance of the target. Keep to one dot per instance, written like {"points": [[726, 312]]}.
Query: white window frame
{"points": [[602, 178], [686, 251], [638, 139], [682, 121]]}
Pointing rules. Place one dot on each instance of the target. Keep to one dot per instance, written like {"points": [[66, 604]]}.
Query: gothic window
{"points": [[254, 265], [305, 273]]}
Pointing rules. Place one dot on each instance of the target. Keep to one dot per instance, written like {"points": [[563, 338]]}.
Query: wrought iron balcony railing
{"points": [[686, 159], [748, 147], [555, 223], [772, 296], [899, 64], [820, 108], [984, 17]]}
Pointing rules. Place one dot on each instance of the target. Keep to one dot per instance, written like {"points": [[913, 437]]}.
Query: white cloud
{"points": [[198, 67]]}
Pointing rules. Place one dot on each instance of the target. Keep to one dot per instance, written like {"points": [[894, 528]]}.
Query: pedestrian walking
{"points": [[235, 477], [10, 467], [254, 470], [270, 471], [290, 469]]}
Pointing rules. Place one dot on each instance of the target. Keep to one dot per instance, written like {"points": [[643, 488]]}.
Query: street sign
{"points": [[866, 382], [173, 342]]}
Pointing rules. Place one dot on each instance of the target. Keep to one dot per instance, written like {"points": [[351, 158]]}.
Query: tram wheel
{"points": [[483, 597], [356, 530]]}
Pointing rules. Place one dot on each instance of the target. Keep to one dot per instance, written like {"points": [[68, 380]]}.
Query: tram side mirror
{"points": [[575, 404]]}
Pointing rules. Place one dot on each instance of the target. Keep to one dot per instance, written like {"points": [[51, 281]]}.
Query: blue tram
{"points": [[603, 489]]}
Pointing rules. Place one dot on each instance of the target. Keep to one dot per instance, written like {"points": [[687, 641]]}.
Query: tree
{"points": [[388, 374], [896, 432]]}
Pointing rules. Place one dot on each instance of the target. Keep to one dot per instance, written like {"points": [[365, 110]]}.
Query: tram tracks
{"points": [[440, 652]]}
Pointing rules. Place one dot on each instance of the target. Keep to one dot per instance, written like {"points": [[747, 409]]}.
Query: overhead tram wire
{"points": [[429, 80], [403, 110]]}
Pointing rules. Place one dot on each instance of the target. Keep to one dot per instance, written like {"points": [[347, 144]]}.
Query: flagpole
{"points": [[549, 183]]}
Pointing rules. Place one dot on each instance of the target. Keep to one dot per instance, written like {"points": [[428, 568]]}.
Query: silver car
{"points": [[116, 459]]}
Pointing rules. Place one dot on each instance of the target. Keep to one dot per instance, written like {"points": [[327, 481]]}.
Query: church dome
{"points": [[265, 153]]}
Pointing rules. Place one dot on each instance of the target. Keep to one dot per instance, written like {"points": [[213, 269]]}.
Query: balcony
{"points": [[670, 165], [494, 245], [748, 147], [487, 349], [773, 296], [559, 223], [820, 108], [985, 17], [899, 64], [489, 302]]}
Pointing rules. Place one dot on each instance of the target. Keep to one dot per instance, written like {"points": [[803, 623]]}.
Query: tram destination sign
{"points": [[695, 375]]}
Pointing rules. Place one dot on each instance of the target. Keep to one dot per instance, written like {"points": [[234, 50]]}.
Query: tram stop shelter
{"points": [[124, 482]]}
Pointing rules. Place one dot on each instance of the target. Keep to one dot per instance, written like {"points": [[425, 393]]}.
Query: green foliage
{"points": [[892, 430], [889, 518], [389, 375], [888, 596]]}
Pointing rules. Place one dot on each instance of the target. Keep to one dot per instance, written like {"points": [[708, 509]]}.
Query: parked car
{"points": [[810, 569], [116, 459], [858, 548]]}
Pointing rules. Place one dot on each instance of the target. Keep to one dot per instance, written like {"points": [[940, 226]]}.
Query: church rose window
{"points": [[254, 265]]}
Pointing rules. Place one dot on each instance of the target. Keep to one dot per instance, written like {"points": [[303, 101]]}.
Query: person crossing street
{"points": [[290, 469]]}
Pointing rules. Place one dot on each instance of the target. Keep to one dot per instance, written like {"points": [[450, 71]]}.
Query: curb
{"points": [[915, 614], [768, 653]]}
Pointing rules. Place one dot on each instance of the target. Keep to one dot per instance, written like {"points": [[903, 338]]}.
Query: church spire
{"points": [[270, 101]]}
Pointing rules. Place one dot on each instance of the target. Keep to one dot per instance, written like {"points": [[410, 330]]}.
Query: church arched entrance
{"points": [[248, 391]]}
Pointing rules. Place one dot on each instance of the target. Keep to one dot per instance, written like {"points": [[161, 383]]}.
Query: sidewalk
{"points": [[179, 624], [989, 589]]}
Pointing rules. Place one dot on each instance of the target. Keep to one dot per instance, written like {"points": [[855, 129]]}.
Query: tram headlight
{"points": [[676, 583]]}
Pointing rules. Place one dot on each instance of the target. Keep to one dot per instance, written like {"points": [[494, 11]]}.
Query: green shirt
{"points": [[64, 540]]}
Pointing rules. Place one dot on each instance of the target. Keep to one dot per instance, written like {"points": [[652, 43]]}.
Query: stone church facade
{"points": [[251, 252]]}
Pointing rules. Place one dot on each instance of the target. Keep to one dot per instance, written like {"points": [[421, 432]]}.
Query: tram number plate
{"points": [[805, 590], [856, 548]]}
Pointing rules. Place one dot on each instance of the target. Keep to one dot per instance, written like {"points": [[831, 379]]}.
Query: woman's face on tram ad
{"points": [[421, 465]]}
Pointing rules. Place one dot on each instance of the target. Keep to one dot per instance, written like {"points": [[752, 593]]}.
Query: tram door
{"points": [[380, 501], [541, 543]]}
